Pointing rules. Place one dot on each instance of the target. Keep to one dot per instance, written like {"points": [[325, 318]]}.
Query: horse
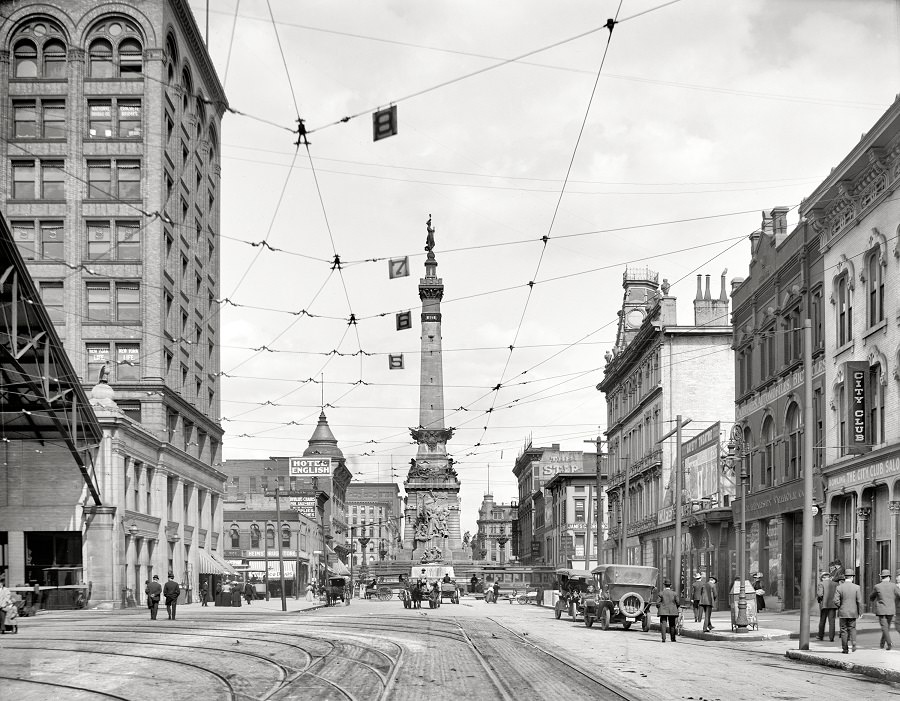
{"points": [[416, 594]]}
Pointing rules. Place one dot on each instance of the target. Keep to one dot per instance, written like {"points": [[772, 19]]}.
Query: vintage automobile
{"points": [[572, 585], [623, 594]]}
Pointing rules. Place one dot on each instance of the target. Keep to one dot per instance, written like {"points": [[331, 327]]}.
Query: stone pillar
{"points": [[862, 515], [831, 521], [894, 506], [103, 557]]}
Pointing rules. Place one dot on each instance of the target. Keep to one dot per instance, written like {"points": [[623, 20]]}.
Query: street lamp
{"points": [[278, 535], [502, 541], [737, 450], [382, 551]]}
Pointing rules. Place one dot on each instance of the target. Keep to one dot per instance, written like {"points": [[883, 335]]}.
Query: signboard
{"points": [[771, 502], [535, 547], [882, 469], [306, 505], [855, 375], [704, 477], [309, 467]]}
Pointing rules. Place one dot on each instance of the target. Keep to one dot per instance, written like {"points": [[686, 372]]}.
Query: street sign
{"points": [[306, 467]]}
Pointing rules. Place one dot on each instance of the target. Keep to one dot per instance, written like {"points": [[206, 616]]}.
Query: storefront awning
{"points": [[339, 568], [211, 563]]}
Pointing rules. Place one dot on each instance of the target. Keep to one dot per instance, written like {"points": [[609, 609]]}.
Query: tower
{"points": [[431, 529]]}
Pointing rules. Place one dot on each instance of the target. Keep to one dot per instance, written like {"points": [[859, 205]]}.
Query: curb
{"points": [[880, 673], [755, 637]]}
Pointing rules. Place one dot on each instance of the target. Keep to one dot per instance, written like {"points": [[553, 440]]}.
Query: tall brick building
{"points": [[109, 176], [657, 370]]}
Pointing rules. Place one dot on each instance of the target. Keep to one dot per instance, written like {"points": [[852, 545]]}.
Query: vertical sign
{"points": [[384, 123], [855, 375]]}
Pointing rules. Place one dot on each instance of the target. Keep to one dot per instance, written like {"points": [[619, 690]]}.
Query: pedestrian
{"points": [[760, 590], [696, 588], [249, 591], [897, 601], [171, 590], [474, 582], [708, 599], [885, 607], [825, 596], [153, 590], [309, 592], [667, 609], [849, 603], [5, 603], [496, 590], [204, 593]]}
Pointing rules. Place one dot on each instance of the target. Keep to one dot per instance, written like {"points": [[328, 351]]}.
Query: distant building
{"points": [[497, 523], [572, 509], [374, 511], [251, 523], [660, 369], [534, 467]]}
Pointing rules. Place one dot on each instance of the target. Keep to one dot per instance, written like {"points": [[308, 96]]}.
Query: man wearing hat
{"points": [[825, 596], [171, 591], [885, 608], [709, 597], [153, 591], [849, 602], [696, 588]]}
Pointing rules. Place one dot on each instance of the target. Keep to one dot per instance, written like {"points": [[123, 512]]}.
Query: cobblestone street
{"points": [[374, 649]]}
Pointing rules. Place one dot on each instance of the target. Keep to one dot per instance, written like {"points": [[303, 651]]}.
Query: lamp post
{"points": [[266, 558], [737, 450], [382, 551], [502, 541]]}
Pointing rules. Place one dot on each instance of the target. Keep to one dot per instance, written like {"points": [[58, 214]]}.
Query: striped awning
{"points": [[211, 563]]}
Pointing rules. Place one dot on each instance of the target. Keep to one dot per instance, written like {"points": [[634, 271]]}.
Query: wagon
{"points": [[335, 590], [622, 595], [450, 591]]}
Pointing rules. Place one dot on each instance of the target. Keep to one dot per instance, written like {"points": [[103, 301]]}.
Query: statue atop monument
{"points": [[429, 239]]}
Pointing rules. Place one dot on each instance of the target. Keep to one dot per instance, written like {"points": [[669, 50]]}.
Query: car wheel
{"points": [[522, 599], [557, 612], [645, 622], [631, 604], [626, 625], [604, 619], [588, 620]]}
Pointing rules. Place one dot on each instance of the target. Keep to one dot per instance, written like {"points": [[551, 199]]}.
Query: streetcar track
{"points": [[25, 680], [88, 653]]}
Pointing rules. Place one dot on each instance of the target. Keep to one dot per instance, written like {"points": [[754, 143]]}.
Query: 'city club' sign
{"points": [[855, 373]]}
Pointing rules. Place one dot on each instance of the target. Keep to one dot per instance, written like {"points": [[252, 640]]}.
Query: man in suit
{"points": [[667, 609], [884, 595], [171, 590], [153, 590], [696, 588], [849, 603], [825, 597], [708, 599]]}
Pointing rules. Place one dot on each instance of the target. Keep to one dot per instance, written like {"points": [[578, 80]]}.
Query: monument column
{"points": [[431, 529]]}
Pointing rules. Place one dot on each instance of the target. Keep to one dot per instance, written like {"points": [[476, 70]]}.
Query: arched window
{"points": [[844, 303], [875, 399], [254, 535], [875, 288], [768, 454], [235, 537], [131, 62], [752, 478], [270, 536], [101, 59], [793, 448], [285, 536], [187, 89], [54, 59], [25, 60]]}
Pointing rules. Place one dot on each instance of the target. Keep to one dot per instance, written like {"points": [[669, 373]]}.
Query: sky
{"points": [[656, 144]]}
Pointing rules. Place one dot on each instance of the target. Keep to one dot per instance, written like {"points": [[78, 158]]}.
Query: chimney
{"points": [[699, 288], [707, 296], [723, 297], [703, 304]]}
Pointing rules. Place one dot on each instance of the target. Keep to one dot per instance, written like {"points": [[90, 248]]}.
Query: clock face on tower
{"points": [[634, 318]]}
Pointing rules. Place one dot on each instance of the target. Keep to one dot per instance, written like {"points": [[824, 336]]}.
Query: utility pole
{"points": [[807, 553], [679, 424], [280, 552]]}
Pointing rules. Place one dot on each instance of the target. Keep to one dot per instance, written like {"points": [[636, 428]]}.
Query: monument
{"points": [[431, 530]]}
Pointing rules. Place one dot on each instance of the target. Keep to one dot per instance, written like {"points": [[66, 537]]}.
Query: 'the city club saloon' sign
{"points": [[855, 374]]}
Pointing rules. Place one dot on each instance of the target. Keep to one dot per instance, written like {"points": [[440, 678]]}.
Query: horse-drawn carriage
{"points": [[573, 586], [433, 583], [335, 590]]}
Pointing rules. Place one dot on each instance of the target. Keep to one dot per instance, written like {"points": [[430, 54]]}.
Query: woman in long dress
{"points": [[309, 592]]}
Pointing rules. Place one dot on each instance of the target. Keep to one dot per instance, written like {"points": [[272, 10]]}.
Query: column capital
{"points": [[832, 519], [894, 507], [862, 513]]}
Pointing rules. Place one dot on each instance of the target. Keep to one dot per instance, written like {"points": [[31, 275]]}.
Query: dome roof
{"points": [[323, 441]]}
